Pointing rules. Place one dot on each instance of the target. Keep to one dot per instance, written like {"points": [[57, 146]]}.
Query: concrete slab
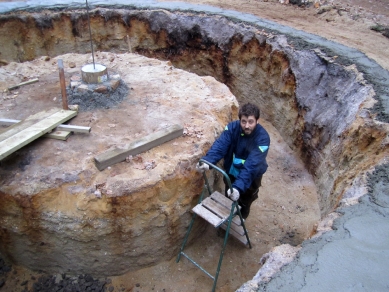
{"points": [[353, 257]]}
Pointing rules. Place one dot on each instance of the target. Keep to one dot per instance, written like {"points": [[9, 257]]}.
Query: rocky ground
{"points": [[348, 22]]}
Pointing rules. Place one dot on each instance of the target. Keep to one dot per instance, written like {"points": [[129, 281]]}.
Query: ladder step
{"points": [[216, 208], [239, 237], [208, 215], [237, 228], [236, 220], [222, 199]]}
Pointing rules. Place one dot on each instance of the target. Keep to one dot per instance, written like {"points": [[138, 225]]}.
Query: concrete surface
{"points": [[354, 256]]}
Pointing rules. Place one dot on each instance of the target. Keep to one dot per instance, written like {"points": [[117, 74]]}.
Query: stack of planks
{"points": [[21, 133]]}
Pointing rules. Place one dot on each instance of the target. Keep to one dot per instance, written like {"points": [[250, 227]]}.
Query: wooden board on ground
{"points": [[20, 134], [58, 135], [116, 155]]}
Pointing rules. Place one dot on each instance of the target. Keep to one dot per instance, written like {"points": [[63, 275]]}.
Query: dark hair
{"points": [[249, 109]]}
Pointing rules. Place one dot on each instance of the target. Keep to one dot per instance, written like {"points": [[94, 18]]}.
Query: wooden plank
{"points": [[239, 237], [222, 199], [68, 128], [58, 135], [23, 83], [237, 228], [29, 121], [116, 155], [32, 128], [207, 215], [236, 220], [216, 208]]}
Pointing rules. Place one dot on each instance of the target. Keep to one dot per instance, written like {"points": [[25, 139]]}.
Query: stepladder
{"points": [[221, 212]]}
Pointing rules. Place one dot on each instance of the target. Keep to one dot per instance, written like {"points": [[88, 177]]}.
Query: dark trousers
{"points": [[248, 197]]}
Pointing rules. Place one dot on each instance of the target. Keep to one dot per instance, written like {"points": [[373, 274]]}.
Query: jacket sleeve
{"points": [[255, 164], [220, 147]]}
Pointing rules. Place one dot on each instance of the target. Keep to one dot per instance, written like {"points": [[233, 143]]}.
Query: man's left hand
{"points": [[201, 167]]}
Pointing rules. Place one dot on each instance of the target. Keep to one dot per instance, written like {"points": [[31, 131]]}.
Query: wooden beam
{"points": [[20, 134], [67, 128], [29, 121], [23, 83], [116, 155], [58, 135]]}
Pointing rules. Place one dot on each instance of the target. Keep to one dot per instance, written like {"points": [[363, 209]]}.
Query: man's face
{"points": [[248, 124]]}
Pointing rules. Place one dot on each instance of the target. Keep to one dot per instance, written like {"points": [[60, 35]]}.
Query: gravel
{"points": [[57, 283], [90, 100]]}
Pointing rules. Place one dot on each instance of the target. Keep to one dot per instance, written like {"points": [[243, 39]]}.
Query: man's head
{"points": [[248, 116]]}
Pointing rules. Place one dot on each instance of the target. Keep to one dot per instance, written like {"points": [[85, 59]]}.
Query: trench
{"points": [[323, 110]]}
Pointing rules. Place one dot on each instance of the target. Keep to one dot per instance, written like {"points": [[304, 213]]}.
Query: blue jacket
{"points": [[244, 155]]}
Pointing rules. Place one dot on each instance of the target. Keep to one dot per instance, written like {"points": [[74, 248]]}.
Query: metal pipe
{"points": [[90, 34]]}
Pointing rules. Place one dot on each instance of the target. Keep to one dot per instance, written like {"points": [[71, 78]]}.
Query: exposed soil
{"points": [[348, 22], [288, 189]]}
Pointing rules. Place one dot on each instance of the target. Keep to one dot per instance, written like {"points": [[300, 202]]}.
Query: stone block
{"points": [[114, 83], [116, 76], [74, 84], [101, 89], [83, 88]]}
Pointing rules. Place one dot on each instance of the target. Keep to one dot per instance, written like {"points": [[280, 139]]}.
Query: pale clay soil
{"points": [[286, 208]]}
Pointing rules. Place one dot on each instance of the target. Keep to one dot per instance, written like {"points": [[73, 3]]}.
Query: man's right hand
{"points": [[202, 167], [234, 195]]}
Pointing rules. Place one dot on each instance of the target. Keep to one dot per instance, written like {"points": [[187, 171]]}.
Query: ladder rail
{"points": [[197, 265], [234, 205], [190, 227], [219, 170]]}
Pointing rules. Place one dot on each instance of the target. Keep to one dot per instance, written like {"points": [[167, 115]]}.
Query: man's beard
{"points": [[247, 131]]}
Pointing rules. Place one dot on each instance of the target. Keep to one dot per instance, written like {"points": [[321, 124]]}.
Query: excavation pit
{"points": [[319, 108]]}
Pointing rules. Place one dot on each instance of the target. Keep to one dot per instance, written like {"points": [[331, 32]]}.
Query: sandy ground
{"points": [[347, 22], [287, 195]]}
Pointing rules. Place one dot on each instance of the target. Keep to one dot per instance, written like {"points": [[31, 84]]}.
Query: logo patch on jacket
{"points": [[263, 148]]}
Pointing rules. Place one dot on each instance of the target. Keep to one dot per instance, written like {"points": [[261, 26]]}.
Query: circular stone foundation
{"points": [[60, 213]]}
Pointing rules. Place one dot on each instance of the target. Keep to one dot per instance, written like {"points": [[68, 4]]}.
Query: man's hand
{"points": [[202, 167], [234, 195]]}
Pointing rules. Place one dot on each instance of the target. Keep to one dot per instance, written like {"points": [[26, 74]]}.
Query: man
{"points": [[244, 146]]}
